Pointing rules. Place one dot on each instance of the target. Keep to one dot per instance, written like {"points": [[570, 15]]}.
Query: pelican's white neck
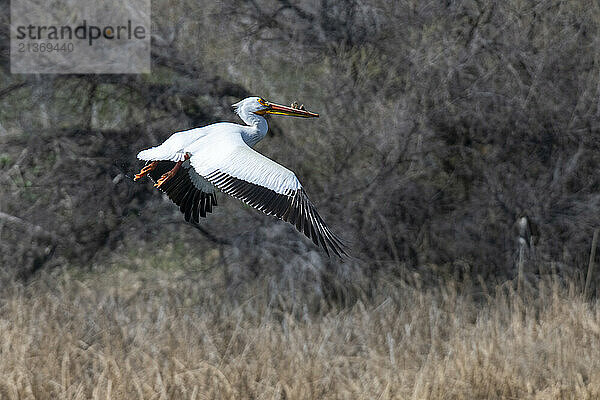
{"points": [[257, 124]]}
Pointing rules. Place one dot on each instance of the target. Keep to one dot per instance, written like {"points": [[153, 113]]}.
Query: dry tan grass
{"points": [[160, 335]]}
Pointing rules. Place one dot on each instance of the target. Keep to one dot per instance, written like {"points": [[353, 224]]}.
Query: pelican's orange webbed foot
{"points": [[168, 175], [146, 170]]}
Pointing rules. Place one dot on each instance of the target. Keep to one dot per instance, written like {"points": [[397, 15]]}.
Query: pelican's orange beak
{"points": [[278, 109]]}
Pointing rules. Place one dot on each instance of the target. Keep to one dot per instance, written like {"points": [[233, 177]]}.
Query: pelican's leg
{"points": [[168, 175], [146, 170]]}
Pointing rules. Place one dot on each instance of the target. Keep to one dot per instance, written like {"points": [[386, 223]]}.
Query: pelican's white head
{"points": [[248, 106]]}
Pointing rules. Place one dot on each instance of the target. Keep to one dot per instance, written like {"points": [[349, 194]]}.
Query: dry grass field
{"points": [[135, 333]]}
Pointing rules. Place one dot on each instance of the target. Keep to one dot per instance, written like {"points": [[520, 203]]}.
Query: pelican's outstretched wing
{"points": [[194, 195], [233, 167]]}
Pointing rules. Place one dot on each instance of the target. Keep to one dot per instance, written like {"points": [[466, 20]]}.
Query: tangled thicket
{"points": [[440, 124]]}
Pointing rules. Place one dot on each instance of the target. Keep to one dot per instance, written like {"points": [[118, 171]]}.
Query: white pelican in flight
{"points": [[190, 164]]}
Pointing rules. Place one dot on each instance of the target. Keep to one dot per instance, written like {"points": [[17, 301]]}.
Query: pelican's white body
{"points": [[227, 147], [221, 156]]}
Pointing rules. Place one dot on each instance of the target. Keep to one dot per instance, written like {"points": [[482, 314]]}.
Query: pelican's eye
{"points": [[262, 101]]}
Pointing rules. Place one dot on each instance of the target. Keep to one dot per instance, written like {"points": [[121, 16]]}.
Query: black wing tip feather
{"points": [[319, 230]]}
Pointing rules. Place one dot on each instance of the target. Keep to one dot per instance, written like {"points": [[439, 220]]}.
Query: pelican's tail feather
{"points": [[161, 153]]}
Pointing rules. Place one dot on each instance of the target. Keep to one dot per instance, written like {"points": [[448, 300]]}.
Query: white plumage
{"points": [[190, 164]]}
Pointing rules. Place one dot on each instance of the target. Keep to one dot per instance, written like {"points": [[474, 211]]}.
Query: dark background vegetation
{"points": [[441, 123]]}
